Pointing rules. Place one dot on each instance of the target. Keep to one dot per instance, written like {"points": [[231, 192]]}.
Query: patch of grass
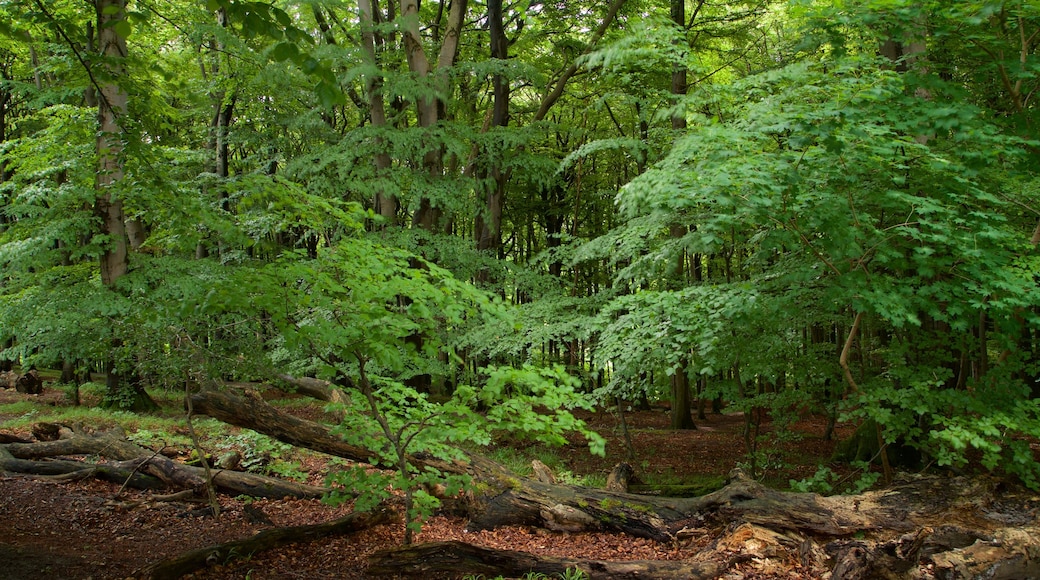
{"points": [[519, 462], [19, 408], [167, 427], [512, 459]]}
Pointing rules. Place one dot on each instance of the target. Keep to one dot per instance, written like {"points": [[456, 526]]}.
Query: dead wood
{"points": [[542, 472], [315, 388], [253, 413], [134, 459], [1011, 553], [29, 383], [12, 438], [183, 564], [890, 525], [74, 470], [438, 558]]}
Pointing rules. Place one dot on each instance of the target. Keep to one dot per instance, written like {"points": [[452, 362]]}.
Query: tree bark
{"points": [[488, 226], [112, 105], [385, 202], [428, 216], [440, 558], [682, 402]]}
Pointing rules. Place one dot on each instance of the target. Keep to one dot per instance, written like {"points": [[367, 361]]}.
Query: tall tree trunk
{"points": [[489, 224], [112, 107], [429, 214], [385, 203], [682, 416], [223, 114]]}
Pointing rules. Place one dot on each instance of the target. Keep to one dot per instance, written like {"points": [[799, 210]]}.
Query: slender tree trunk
{"points": [[489, 224], [385, 203]]}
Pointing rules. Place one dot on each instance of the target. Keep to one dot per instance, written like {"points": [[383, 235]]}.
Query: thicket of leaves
{"points": [[813, 185]]}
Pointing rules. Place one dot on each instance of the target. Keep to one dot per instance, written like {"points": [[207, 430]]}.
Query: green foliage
{"points": [[839, 189], [826, 482], [262, 454], [397, 422]]}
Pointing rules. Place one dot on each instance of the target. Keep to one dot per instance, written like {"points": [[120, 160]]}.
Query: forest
{"points": [[451, 227]]}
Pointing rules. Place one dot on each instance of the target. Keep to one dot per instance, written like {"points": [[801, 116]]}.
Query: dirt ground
{"points": [[93, 530]]}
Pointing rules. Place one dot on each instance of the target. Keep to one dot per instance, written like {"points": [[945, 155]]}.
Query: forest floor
{"points": [[92, 529]]}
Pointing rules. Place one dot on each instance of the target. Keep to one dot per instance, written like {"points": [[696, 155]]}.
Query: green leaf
{"points": [[329, 95], [123, 28], [284, 51]]}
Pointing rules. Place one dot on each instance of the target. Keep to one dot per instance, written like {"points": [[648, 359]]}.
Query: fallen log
{"points": [[189, 562], [507, 499], [440, 559], [136, 459], [1010, 553], [864, 534], [29, 383], [67, 469]]}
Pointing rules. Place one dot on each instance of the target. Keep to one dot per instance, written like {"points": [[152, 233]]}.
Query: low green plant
{"points": [[826, 482], [263, 454], [573, 574], [398, 422]]}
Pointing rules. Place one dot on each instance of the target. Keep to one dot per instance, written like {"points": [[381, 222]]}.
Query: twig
{"points": [[136, 468], [210, 491]]}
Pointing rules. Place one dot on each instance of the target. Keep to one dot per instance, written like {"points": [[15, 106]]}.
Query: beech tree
{"points": [[757, 201]]}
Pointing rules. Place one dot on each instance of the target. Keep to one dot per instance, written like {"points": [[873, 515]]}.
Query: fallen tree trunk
{"points": [[28, 383], [132, 459], [188, 562], [438, 559], [861, 536], [506, 498], [67, 469]]}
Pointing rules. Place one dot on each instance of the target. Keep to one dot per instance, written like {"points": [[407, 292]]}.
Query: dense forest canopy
{"points": [[446, 208]]}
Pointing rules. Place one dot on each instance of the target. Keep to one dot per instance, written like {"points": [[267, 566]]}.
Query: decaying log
{"points": [[67, 469], [46, 431], [315, 388], [542, 472], [29, 383], [12, 438], [253, 413], [179, 566], [437, 559], [871, 535], [1011, 553], [506, 498], [8, 379], [131, 458]]}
